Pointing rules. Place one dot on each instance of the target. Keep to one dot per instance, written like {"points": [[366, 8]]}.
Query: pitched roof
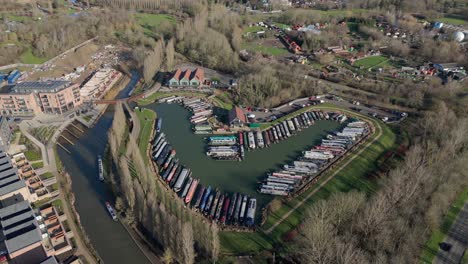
{"points": [[199, 74], [177, 74], [237, 112]]}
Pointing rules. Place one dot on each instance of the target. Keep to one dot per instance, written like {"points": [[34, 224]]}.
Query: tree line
{"points": [[393, 224]]}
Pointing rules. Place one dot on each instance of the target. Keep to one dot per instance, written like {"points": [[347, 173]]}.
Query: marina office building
{"points": [[49, 97]]}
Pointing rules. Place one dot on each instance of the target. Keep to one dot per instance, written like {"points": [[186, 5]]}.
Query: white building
{"points": [[99, 83]]}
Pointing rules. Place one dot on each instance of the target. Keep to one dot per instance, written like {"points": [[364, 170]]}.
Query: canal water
{"points": [[109, 238], [233, 176]]}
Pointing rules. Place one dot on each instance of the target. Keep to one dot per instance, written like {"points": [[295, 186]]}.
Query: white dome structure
{"points": [[458, 36]]}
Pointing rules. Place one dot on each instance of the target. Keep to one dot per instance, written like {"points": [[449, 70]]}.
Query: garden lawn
{"points": [[38, 165], [147, 118], [438, 235], [149, 22], [274, 51], [453, 21], [371, 61], [355, 176], [33, 155], [29, 58]]}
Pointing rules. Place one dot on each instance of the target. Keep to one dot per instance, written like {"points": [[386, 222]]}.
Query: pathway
{"points": [[299, 204], [458, 238], [48, 156]]}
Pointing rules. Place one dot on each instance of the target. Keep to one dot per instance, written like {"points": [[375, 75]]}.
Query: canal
{"points": [[233, 176], [109, 238]]}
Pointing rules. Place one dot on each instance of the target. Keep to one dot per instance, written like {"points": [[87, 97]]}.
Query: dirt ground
{"points": [[67, 63]]}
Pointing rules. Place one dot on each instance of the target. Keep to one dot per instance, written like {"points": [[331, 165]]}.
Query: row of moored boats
{"points": [[234, 209], [307, 167], [201, 110]]}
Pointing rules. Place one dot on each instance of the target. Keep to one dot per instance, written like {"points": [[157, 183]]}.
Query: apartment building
{"points": [[99, 83], [49, 97]]}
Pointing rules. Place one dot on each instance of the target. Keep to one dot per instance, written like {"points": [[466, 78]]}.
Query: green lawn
{"points": [[371, 61], [282, 26], [253, 29], [17, 18], [151, 22], [352, 177], [438, 235], [47, 175], [38, 165], [87, 117], [29, 58], [146, 118], [452, 20], [274, 51], [33, 154]]}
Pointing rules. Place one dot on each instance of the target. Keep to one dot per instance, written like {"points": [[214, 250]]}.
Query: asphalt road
{"points": [[458, 238]]}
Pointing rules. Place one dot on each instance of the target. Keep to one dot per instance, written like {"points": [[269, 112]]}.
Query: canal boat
{"points": [[250, 217], [111, 211], [219, 208], [246, 140], [275, 134], [241, 138], [173, 171], [200, 193], [292, 129], [221, 140], [158, 125], [209, 203], [187, 185], [181, 179], [168, 170], [176, 176], [232, 207], [260, 142], [226, 207], [158, 152], [318, 155], [100, 168], [235, 218], [279, 132], [157, 139], [285, 128], [242, 210], [270, 135], [214, 206], [191, 191], [251, 140], [296, 123], [205, 198], [169, 159], [242, 152], [166, 152]]}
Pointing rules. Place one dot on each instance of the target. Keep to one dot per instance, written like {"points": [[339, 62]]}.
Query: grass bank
{"points": [[147, 118], [354, 176]]}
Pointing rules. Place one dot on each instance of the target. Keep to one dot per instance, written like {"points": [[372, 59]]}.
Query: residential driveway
{"points": [[458, 238]]}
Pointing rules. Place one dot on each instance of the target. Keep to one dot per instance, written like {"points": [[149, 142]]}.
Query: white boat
{"points": [[100, 168], [111, 211]]}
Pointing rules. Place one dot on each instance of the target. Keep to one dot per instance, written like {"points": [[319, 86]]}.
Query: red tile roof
{"points": [[186, 75], [240, 114], [199, 74], [177, 74]]}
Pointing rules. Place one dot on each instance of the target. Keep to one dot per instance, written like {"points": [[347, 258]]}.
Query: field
{"points": [[372, 61], [453, 21], [354, 176], [438, 235], [150, 22], [29, 58], [147, 118], [265, 49]]}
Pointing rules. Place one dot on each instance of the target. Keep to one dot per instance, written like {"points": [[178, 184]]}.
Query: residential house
{"points": [[187, 78], [237, 117]]}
